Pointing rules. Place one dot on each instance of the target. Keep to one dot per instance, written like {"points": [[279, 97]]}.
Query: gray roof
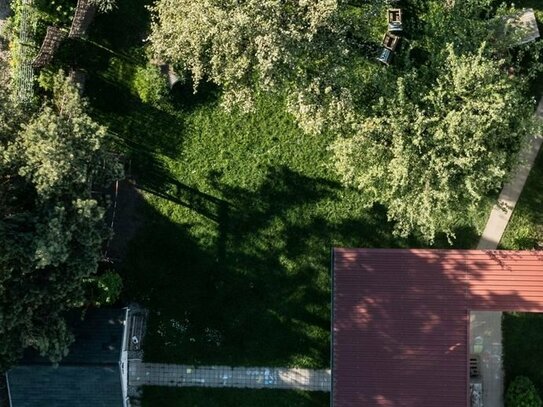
{"points": [[98, 339], [88, 376], [65, 386]]}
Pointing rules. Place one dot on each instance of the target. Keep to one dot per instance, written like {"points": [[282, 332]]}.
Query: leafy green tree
{"points": [[51, 223], [432, 152]]}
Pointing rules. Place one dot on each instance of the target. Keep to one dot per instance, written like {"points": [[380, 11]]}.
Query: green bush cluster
{"points": [[522, 393], [149, 84], [57, 12]]}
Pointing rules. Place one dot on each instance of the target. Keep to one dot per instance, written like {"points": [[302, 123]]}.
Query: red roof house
{"points": [[400, 323]]}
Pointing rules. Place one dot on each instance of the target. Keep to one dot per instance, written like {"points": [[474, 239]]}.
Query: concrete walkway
{"points": [[157, 374], [486, 327], [501, 213]]}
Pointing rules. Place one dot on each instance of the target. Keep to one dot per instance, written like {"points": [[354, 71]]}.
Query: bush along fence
{"points": [[23, 49]]}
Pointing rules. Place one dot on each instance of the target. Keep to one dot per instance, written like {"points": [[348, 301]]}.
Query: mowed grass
{"points": [[235, 257], [192, 397]]}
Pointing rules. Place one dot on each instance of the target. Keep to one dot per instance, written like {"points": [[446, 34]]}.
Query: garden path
{"points": [[486, 327], [158, 374]]}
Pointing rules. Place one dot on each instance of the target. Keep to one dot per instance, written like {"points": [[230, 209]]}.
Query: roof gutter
{"points": [[9, 391], [332, 327], [123, 360]]}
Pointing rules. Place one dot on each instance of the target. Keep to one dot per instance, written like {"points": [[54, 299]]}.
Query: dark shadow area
{"points": [[240, 307], [4, 396], [125, 27], [403, 316], [195, 397], [133, 121], [523, 347], [124, 218], [184, 98]]}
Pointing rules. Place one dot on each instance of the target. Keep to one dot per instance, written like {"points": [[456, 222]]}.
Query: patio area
{"points": [[486, 347]]}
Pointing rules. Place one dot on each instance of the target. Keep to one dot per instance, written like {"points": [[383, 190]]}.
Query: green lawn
{"points": [[235, 255], [525, 229], [523, 347], [190, 397]]}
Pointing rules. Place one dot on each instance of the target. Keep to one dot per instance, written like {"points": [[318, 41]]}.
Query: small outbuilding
{"points": [[386, 56]]}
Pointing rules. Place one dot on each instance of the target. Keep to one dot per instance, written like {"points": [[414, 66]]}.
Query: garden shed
{"points": [[401, 320]]}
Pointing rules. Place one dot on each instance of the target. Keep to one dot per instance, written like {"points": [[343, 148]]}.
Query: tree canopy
{"points": [[433, 150], [51, 223], [453, 120], [254, 45]]}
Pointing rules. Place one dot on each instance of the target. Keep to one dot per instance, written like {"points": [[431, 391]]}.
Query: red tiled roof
{"points": [[401, 320]]}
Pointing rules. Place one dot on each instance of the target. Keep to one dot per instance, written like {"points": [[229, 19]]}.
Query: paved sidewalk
{"points": [[486, 330], [157, 374], [500, 215], [486, 327]]}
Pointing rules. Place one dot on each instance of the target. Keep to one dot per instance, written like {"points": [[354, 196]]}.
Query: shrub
{"points": [[105, 289], [57, 12], [522, 393], [149, 84]]}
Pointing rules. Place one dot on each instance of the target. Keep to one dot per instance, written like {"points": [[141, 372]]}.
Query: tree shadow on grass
{"points": [[266, 300], [184, 98], [254, 289], [522, 339], [195, 397], [133, 121]]}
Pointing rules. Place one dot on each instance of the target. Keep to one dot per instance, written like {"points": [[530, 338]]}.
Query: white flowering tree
{"points": [[261, 45], [433, 151]]}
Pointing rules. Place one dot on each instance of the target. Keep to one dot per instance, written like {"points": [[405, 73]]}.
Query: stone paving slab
{"points": [[157, 374], [501, 212]]}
